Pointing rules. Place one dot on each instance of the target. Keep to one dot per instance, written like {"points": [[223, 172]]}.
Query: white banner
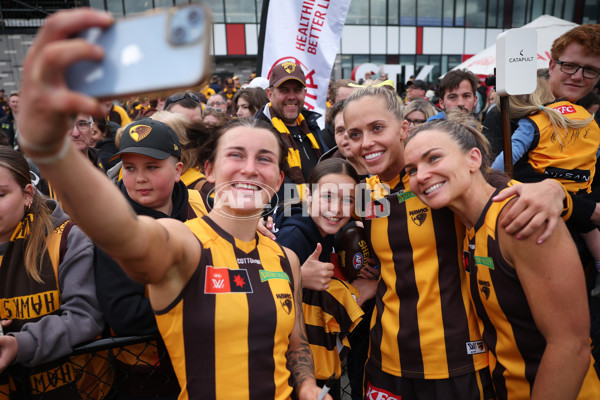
{"points": [[308, 33]]}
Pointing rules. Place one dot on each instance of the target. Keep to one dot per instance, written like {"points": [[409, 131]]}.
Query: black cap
{"points": [[418, 83], [149, 138]]}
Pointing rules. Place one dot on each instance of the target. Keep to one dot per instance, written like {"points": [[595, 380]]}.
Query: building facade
{"points": [[421, 36]]}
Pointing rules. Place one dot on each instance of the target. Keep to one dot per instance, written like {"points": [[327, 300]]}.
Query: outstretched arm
{"points": [[552, 278], [145, 247]]}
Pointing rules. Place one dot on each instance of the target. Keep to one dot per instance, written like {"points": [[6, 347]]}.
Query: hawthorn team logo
{"points": [[285, 299], [139, 132], [419, 216], [289, 67]]}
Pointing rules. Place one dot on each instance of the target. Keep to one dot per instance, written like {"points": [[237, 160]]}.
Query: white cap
{"points": [[259, 81]]}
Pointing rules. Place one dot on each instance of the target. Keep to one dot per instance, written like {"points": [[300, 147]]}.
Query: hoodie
{"points": [[300, 234]]}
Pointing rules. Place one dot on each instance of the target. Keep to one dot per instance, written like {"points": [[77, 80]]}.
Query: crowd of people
{"points": [[217, 219]]}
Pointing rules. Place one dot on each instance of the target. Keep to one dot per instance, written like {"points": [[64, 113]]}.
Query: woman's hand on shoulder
{"points": [[538, 205], [46, 102]]}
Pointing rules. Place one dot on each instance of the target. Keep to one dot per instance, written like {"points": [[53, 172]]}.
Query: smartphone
{"points": [[155, 52]]}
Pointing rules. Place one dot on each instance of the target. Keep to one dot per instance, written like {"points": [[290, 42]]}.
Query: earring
{"points": [[27, 207]]}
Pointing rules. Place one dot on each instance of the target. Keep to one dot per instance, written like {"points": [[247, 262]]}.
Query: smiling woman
{"points": [[525, 325], [213, 282]]}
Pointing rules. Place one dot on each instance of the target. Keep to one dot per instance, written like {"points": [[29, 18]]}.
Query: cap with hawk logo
{"points": [[149, 138], [286, 71]]}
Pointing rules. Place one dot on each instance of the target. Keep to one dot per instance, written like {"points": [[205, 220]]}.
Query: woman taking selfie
{"points": [[227, 300]]}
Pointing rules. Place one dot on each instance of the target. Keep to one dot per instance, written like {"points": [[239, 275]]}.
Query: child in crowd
{"points": [[331, 306]]}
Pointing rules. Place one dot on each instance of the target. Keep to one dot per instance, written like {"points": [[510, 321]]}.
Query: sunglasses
{"points": [[174, 98], [210, 108], [415, 121]]}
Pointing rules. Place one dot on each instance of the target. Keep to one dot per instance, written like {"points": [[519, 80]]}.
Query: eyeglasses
{"points": [[415, 121], [570, 68], [209, 108], [174, 98], [83, 126]]}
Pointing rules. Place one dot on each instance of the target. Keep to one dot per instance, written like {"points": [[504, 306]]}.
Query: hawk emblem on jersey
{"points": [[289, 67], [484, 287], [139, 132], [285, 299], [419, 216]]}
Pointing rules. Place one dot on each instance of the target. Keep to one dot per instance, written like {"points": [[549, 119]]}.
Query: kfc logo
{"points": [[374, 393]]}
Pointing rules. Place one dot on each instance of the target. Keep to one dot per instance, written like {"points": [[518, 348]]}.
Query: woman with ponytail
{"points": [[529, 297], [46, 279]]}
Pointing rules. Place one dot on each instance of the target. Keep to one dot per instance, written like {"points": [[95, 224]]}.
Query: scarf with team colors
{"points": [[294, 171]]}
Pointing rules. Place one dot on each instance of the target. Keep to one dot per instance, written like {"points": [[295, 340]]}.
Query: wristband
{"points": [[61, 154]]}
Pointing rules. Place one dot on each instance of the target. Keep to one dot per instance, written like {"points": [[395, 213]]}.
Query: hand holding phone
{"points": [[151, 53]]}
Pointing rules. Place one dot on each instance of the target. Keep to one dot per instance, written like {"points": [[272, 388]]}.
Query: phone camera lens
{"points": [[193, 16], [178, 32]]}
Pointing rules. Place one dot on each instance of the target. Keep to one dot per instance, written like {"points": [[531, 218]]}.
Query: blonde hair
{"points": [[179, 123], [41, 226], [521, 106], [393, 103]]}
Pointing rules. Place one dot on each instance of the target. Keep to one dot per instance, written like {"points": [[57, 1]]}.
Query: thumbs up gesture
{"points": [[316, 274]]}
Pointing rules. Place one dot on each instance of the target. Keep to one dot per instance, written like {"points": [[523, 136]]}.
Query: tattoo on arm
{"points": [[299, 357]]}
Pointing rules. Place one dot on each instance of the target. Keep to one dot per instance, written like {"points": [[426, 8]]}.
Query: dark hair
{"points": [[335, 86], [41, 226], [209, 150], [199, 134], [465, 131], [333, 111], [185, 103], [589, 100], [454, 78], [331, 166], [102, 125], [256, 98]]}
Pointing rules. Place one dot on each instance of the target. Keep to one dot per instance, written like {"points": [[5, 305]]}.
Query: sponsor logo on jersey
{"points": [[484, 288], [285, 299], [565, 109], [419, 216], [476, 347], [576, 175], [267, 275], [403, 196], [225, 280], [485, 261], [374, 393]]}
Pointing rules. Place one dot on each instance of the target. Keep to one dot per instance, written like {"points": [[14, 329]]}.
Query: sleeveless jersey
{"points": [[423, 324], [509, 331], [191, 177], [328, 315], [228, 331], [572, 162]]}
